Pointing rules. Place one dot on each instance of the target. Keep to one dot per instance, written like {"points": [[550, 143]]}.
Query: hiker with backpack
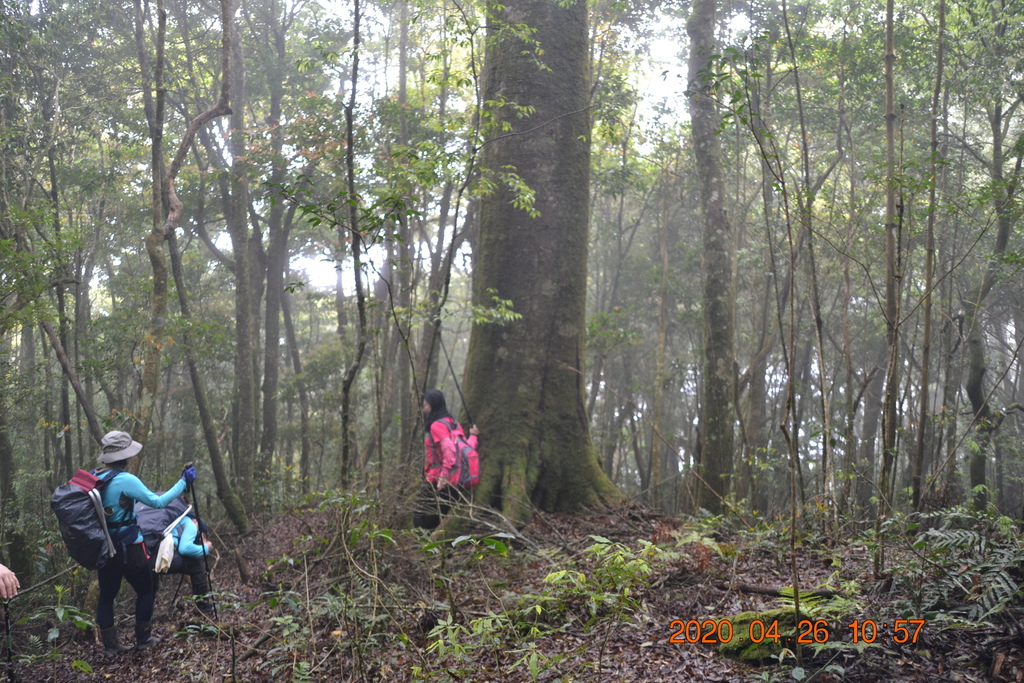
{"points": [[120, 492], [8, 583], [190, 551], [446, 475]]}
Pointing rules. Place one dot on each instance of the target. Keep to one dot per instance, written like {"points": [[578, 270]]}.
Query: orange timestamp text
{"points": [[716, 631]]}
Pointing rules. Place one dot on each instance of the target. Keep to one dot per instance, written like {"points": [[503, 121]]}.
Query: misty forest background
{"points": [[265, 218], [248, 233]]}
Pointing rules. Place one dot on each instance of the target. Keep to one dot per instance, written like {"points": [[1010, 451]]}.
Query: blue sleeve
{"points": [[187, 545], [133, 487]]}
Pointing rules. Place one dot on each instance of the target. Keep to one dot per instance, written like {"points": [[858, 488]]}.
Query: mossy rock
{"points": [[781, 622]]}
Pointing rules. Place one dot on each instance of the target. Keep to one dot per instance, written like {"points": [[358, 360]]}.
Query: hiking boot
{"points": [[144, 638], [111, 644], [206, 606]]}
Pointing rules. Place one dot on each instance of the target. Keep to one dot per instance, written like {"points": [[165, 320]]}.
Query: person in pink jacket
{"points": [[441, 467]]}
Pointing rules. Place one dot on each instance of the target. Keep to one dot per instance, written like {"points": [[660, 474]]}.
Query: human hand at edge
{"points": [[189, 474], [474, 431], [9, 584]]}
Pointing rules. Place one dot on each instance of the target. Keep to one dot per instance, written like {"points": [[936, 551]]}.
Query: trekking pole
{"points": [[206, 562], [181, 580], [465, 407], [10, 643]]}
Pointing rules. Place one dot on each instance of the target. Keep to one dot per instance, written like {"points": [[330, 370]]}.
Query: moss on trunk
{"points": [[524, 380]]}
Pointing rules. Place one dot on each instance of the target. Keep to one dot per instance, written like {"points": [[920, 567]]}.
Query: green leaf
{"points": [[82, 666], [496, 545]]}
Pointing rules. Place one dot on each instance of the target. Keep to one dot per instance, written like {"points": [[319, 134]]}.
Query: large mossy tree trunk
{"points": [[524, 382], [718, 411]]}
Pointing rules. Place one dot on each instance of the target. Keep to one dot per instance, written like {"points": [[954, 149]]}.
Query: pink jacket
{"points": [[442, 460]]}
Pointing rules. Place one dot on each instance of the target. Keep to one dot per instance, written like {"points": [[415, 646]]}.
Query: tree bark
{"points": [[72, 377], [349, 230], [152, 81], [667, 235], [166, 208], [244, 428], [277, 256], [874, 398], [524, 379], [62, 316], [225, 493], [917, 463], [893, 273], [977, 367], [718, 411], [303, 392]]}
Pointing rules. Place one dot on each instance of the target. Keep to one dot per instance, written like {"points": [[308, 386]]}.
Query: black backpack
{"points": [[153, 521], [83, 526]]}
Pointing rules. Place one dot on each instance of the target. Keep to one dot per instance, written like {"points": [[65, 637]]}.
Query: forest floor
{"points": [[596, 597]]}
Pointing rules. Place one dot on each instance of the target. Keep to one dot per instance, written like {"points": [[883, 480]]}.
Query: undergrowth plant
{"points": [[600, 593], [63, 622], [613, 587], [962, 566]]}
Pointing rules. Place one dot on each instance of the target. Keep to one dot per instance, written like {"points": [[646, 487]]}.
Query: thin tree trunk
{"points": [[718, 412], [805, 204], [977, 367], [303, 392], [166, 209], [874, 400], [227, 496], [917, 466], [351, 233], [666, 309], [892, 274], [62, 316], [153, 81], [277, 257], [244, 422], [72, 378]]}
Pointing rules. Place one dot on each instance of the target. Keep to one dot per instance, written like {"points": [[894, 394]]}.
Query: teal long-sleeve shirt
{"points": [[185, 538], [133, 488]]}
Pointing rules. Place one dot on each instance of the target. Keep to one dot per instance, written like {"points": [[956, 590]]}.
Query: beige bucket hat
{"points": [[117, 446]]}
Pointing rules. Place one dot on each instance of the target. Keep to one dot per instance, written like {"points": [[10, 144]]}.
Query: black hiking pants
{"points": [[432, 505], [131, 564], [195, 568]]}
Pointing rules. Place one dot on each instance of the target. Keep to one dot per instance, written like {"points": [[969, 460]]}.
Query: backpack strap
{"points": [[170, 527], [454, 430], [452, 425], [124, 502], [107, 476], [97, 502], [449, 423]]}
